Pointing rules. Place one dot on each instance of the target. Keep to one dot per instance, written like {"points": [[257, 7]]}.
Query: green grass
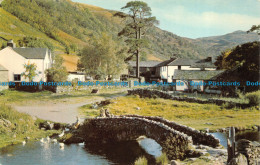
{"points": [[214, 96], [19, 97], [191, 114], [13, 28], [141, 161], [162, 160], [199, 161], [21, 126]]}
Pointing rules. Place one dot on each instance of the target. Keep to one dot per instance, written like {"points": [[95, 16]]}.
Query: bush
{"points": [[228, 105], [141, 161], [254, 98], [162, 160]]}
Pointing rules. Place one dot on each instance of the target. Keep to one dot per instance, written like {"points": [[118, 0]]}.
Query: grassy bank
{"points": [[199, 116], [15, 127]]}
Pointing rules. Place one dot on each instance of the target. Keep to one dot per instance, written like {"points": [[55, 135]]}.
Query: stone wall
{"points": [[61, 89], [250, 149], [151, 93], [174, 143], [197, 136]]}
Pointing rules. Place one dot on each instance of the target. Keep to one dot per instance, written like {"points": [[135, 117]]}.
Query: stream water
{"points": [[123, 153], [37, 153]]}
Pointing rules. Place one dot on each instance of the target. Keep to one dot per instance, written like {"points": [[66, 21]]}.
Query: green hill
{"points": [[216, 44], [67, 24], [13, 28]]}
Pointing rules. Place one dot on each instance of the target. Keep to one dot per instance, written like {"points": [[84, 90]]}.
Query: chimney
{"points": [[173, 57], [11, 43]]}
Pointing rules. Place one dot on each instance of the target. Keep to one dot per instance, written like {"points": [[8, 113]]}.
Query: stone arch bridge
{"points": [[174, 138]]}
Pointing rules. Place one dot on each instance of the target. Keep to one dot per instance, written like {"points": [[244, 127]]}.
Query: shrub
{"points": [[162, 160], [228, 105], [254, 98], [141, 161]]}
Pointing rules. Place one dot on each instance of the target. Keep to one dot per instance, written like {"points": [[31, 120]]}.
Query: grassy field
{"points": [[25, 98], [202, 96], [191, 114]]}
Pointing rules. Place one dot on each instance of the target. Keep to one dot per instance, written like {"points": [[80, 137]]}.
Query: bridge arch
{"points": [[174, 143]]}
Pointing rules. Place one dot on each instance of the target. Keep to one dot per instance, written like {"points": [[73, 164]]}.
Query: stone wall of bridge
{"points": [[174, 143], [197, 136]]}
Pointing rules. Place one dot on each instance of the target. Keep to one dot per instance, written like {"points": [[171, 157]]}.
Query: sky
{"points": [[196, 18]]}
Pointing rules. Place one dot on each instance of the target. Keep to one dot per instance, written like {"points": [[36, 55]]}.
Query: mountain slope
{"points": [[216, 44], [13, 28], [67, 23]]}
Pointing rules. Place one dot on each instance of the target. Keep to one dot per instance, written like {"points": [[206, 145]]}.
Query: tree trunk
{"points": [[138, 36], [137, 64]]}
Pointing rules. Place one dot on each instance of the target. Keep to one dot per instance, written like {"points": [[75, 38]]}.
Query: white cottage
{"points": [[168, 68], [13, 59]]}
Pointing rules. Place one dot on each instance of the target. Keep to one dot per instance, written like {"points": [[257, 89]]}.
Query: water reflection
{"points": [[151, 146], [249, 135], [49, 154], [122, 153]]}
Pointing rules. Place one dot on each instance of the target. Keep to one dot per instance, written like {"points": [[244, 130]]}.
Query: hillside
{"points": [[13, 28], [66, 24], [216, 44], [70, 62]]}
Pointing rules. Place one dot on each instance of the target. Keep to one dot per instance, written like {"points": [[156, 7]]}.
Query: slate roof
{"points": [[2, 68], [147, 64], [202, 63], [32, 53], [165, 63], [182, 62], [176, 62], [195, 74]]}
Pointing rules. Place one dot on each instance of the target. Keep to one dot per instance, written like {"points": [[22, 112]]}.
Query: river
{"points": [[122, 153]]}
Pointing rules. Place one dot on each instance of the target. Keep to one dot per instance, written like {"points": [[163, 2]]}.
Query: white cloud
{"points": [[230, 21]]}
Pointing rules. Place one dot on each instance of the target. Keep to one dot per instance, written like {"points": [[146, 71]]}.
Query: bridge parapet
{"points": [[197, 136], [174, 143]]}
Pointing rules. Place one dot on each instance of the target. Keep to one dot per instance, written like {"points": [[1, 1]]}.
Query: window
{"points": [[17, 77], [179, 67]]}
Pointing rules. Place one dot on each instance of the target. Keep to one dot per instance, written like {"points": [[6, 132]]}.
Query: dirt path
{"points": [[59, 112]]}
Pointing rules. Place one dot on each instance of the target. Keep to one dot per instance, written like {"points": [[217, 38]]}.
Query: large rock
{"points": [[5, 123], [46, 125], [174, 162], [239, 159]]}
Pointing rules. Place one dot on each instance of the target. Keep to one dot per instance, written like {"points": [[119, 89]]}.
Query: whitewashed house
{"points": [[193, 79], [182, 71], [169, 67], [13, 59], [76, 76], [3, 78]]}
